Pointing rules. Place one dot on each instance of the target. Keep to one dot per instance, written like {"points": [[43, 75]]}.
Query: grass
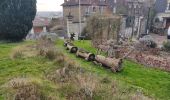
{"points": [[32, 67], [5, 48], [153, 82]]}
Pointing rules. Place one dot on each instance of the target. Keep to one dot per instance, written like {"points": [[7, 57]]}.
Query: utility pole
{"points": [[79, 18]]}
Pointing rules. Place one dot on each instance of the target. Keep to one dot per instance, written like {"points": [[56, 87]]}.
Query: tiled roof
{"points": [[38, 22], [85, 2]]}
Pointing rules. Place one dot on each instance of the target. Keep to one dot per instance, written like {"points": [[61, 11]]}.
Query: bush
{"points": [[167, 46], [153, 44], [24, 89], [50, 54], [148, 41], [17, 54], [46, 47]]}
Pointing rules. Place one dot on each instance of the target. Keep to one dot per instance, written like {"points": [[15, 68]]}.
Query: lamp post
{"points": [[80, 18]]}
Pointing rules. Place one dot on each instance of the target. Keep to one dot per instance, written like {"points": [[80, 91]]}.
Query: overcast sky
{"points": [[49, 5]]}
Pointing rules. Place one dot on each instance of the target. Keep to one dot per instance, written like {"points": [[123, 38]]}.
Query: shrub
{"points": [[167, 46], [87, 85], [24, 89], [46, 47], [153, 44], [50, 54], [17, 54], [60, 59], [148, 41]]}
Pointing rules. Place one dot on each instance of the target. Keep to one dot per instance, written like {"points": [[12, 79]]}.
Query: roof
{"points": [[164, 15], [85, 2], [38, 22]]}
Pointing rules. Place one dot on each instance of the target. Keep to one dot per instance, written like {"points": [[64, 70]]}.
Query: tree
{"points": [[16, 18]]}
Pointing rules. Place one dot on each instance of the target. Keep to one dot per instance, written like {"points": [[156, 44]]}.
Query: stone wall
{"points": [[74, 28], [85, 11]]}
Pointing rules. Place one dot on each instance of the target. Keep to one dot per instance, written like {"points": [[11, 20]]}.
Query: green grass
{"points": [[153, 82], [5, 48], [32, 67]]}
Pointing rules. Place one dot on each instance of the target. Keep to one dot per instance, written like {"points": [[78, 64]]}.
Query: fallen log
{"points": [[114, 64], [84, 54], [72, 48]]}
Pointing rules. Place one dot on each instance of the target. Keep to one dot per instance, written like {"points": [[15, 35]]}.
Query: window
{"points": [[101, 10], [87, 11], [94, 9]]}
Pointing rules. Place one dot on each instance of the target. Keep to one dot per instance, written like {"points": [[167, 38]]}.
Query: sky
{"points": [[49, 5]]}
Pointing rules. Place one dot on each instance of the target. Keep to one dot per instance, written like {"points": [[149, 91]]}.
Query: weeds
{"points": [[46, 47], [50, 54], [23, 51], [105, 80], [17, 54], [23, 89], [167, 46]]}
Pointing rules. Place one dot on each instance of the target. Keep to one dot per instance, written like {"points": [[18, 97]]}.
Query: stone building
{"points": [[75, 13], [40, 25], [118, 6], [162, 8], [87, 8]]}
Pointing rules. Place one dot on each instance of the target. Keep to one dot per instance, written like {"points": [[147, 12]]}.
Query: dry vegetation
{"points": [[68, 80]]}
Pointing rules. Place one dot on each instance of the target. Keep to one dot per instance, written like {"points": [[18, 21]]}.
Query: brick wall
{"points": [[38, 29]]}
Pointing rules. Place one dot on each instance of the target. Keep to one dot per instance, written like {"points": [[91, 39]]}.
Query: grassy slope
{"points": [[34, 68], [153, 82]]}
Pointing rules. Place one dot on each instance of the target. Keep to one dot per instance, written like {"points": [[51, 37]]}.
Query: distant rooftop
{"points": [[39, 22], [49, 14], [85, 2]]}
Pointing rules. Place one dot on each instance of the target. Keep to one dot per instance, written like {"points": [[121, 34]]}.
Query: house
{"points": [[87, 8], [75, 13], [118, 6], [162, 8], [40, 25]]}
